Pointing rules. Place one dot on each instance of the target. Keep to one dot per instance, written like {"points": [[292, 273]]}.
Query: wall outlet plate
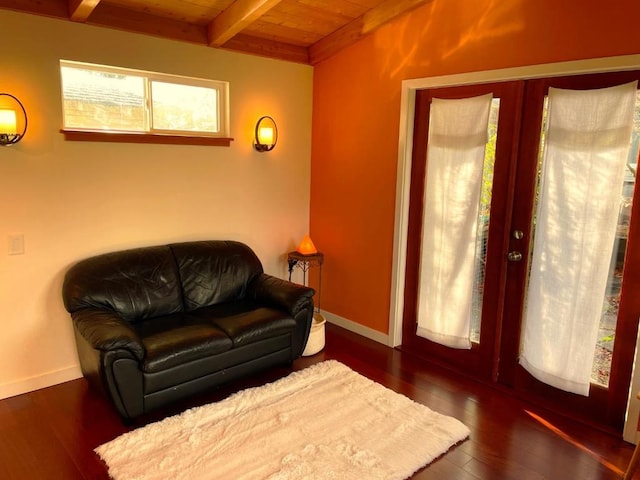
{"points": [[16, 244]]}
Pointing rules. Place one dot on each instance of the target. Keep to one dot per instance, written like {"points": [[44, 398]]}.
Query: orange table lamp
{"points": [[306, 246]]}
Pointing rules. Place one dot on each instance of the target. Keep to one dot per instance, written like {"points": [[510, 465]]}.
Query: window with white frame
{"points": [[100, 98]]}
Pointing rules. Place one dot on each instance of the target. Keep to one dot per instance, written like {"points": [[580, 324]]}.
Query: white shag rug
{"points": [[323, 422]]}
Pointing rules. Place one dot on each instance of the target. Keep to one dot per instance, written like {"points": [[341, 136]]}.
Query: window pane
{"points": [[98, 100], [184, 107], [483, 221]]}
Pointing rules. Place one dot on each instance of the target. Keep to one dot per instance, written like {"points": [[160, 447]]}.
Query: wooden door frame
{"points": [[512, 373], [481, 360], [405, 150]]}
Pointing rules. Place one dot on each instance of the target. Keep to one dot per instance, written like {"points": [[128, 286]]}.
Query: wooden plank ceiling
{"points": [[305, 31]]}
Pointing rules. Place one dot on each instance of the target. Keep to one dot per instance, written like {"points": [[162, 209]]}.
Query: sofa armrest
{"points": [[280, 293], [105, 330]]}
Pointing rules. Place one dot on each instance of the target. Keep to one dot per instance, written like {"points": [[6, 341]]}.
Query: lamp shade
{"points": [[13, 120], [8, 122], [306, 246], [265, 135]]}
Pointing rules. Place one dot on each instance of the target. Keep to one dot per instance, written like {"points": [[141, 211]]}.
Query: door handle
{"points": [[514, 256]]}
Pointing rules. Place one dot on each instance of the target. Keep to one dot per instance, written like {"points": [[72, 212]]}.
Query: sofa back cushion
{"points": [[215, 271], [138, 284]]}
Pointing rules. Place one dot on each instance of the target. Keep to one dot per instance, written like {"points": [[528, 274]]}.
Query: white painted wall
{"points": [[76, 199]]}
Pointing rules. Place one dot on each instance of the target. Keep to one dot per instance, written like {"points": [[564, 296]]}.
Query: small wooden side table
{"points": [[305, 262]]}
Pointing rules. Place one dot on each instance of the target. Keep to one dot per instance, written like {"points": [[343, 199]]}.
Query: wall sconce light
{"points": [[13, 119], [266, 135]]}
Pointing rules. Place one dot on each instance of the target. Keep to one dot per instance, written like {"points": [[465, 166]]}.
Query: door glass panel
{"points": [[483, 221], [606, 335], [455, 151], [601, 368]]}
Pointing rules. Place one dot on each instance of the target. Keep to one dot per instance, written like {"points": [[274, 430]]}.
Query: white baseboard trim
{"points": [[357, 328], [40, 381]]}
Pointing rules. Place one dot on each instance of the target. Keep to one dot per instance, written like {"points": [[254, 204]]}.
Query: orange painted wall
{"points": [[356, 113]]}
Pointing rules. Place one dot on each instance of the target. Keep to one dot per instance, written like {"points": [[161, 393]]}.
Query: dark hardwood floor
{"points": [[51, 433]]}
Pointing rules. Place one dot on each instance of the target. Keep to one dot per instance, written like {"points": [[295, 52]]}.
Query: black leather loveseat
{"points": [[156, 324]]}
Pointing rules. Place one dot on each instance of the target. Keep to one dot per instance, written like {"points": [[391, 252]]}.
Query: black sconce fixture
{"points": [[13, 119], [266, 135]]}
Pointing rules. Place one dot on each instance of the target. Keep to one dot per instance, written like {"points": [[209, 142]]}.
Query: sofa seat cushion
{"points": [[179, 339], [255, 325], [245, 322]]}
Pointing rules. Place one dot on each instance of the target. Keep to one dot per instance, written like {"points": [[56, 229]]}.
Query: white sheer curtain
{"points": [[455, 156], [587, 145]]}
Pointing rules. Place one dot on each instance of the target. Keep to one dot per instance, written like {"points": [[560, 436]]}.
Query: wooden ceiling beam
{"points": [[235, 18], [52, 8], [361, 26], [267, 48], [79, 10], [141, 22]]}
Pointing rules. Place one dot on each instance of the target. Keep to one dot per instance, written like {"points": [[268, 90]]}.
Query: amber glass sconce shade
{"points": [[13, 120], [266, 134]]}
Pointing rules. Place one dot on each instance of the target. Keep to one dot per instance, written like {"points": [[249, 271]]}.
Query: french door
{"points": [[504, 234]]}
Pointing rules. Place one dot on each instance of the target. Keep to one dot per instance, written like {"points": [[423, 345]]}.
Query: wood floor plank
{"points": [[81, 421], [29, 447], [51, 433]]}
